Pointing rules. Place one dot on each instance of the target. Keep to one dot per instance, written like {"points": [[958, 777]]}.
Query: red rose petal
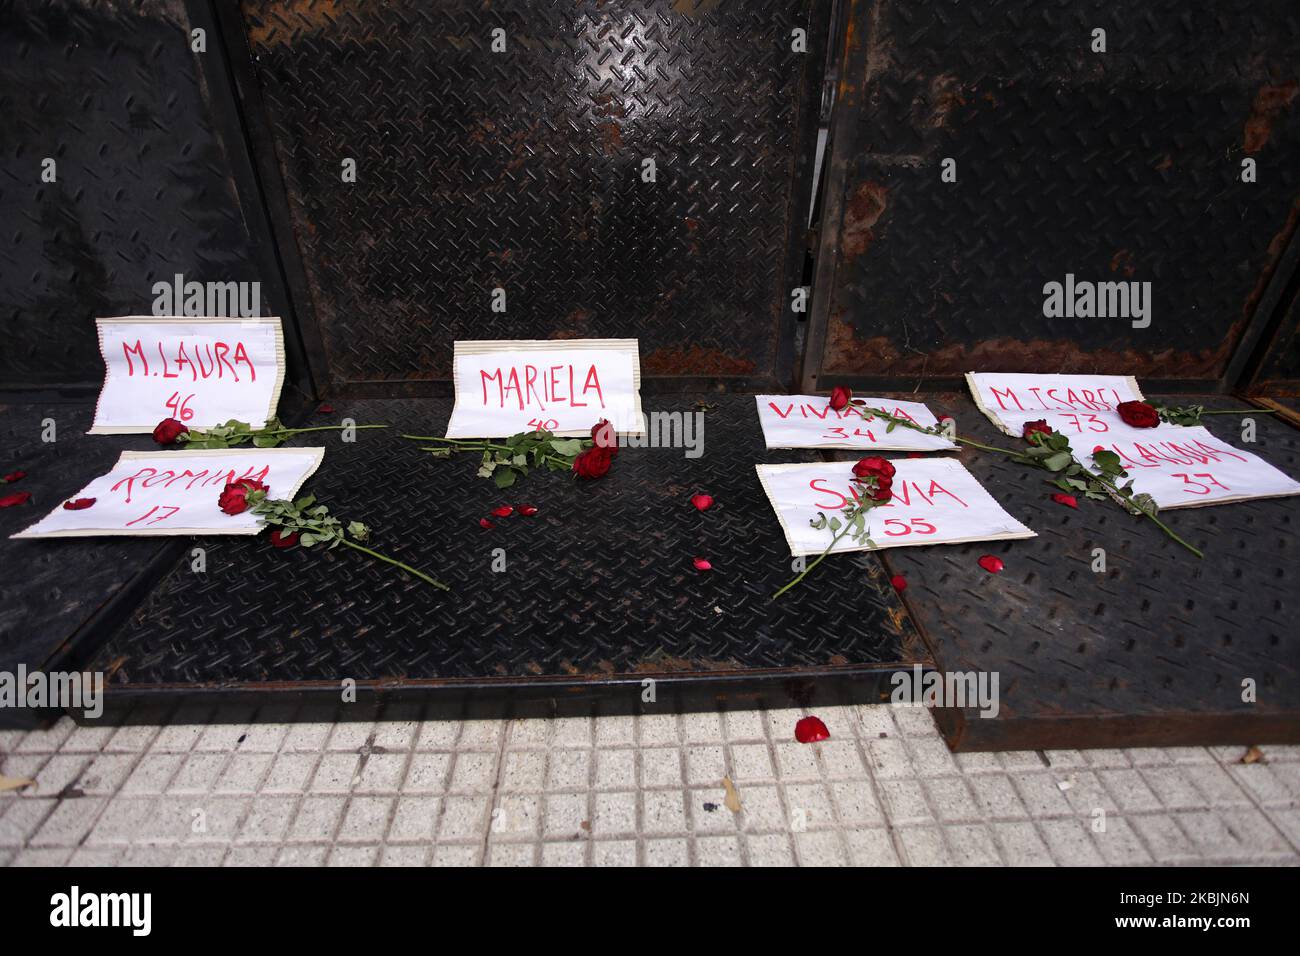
{"points": [[1068, 500], [15, 476], [281, 540], [915, 454], [484, 523], [527, 510], [1099, 448], [991, 564], [505, 511], [17, 498], [325, 408], [78, 504], [702, 502], [899, 582], [809, 730], [702, 564]]}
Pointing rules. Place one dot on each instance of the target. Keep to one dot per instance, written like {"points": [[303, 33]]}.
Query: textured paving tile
{"points": [[713, 789]]}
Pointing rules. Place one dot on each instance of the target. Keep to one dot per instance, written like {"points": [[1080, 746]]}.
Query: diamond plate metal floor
{"points": [[1153, 652], [599, 591], [53, 590]]}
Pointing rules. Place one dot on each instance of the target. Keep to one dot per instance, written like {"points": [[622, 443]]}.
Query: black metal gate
{"points": [[538, 170]]}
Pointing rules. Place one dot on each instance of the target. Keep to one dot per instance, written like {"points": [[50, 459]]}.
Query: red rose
{"points": [[592, 463], [168, 430], [606, 439], [840, 397], [1138, 414], [78, 504], [1038, 426], [874, 467], [14, 476], [234, 500], [281, 540], [17, 498]]}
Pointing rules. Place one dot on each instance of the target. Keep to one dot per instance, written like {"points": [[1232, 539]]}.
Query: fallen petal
{"points": [[1068, 500], [810, 730], [527, 510], [17, 498], [78, 504], [991, 564], [899, 582], [325, 408], [484, 523], [702, 502], [15, 476], [702, 564], [505, 511]]}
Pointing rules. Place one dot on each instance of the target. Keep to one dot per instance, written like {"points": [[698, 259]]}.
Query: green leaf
{"points": [[504, 477], [1057, 461], [266, 441], [568, 447], [307, 540], [305, 502], [358, 530]]}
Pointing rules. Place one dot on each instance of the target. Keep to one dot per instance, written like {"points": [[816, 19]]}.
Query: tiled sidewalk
{"points": [[884, 790]]}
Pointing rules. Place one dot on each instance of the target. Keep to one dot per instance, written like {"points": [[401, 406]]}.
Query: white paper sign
{"points": [[176, 492], [936, 501], [563, 386], [808, 421], [201, 372], [1178, 466]]}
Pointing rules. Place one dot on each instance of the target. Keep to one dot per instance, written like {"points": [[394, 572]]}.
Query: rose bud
{"points": [[840, 397], [234, 500], [1038, 426], [592, 463], [168, 430], [1138, 414], [874, 467]]}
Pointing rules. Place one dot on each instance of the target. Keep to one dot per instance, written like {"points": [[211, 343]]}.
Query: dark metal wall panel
{"points": [[1123, 165], [522, 170], [147, 170]]}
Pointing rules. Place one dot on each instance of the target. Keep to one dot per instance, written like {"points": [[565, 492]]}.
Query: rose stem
{"points": [[316, 428], [404, 567], [1164, 527], [804, 573], [1242, 411]]}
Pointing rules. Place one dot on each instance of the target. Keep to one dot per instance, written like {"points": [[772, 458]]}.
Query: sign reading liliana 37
{"points": [[1179, 466], [563, 386], [935, 501], [199, 371], [176, 492]]}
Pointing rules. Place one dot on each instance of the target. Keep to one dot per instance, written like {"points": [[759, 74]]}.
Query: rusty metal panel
{"points": [[1117, 166], [144, 177], [522, 170]]}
